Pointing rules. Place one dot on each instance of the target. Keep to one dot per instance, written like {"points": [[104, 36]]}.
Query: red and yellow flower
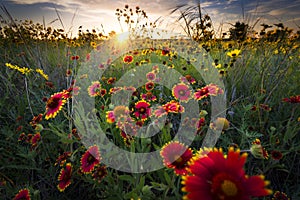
{"points": [[54, 105], [215, 176], [149, 86], [23, 194], [94, 89], [64, 177], [176, 156], [292, 99], [90, 159], [99, 173], [128, 59], [151, 76], [142, 110], [209, 90], [280, 196], [110, 117], [181, 92]]}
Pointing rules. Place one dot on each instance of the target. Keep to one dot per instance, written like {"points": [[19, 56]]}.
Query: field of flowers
{"points": [[198, 118]]}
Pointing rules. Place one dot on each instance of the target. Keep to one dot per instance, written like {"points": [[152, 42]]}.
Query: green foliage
{"points": [[256, 81]]}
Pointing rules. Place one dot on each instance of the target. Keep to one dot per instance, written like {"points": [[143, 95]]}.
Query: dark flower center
{"points": [[53, 102], [225, 187], [91, 159], [142, 110]]}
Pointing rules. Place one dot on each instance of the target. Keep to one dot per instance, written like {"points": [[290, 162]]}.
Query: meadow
{"points": [[66, 102]]}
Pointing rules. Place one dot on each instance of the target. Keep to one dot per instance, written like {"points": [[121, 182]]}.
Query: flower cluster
{"points": [[211, 174]]}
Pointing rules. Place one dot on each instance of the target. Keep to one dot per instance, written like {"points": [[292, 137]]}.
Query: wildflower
{"points": [[64, 177], [181, 92], [61, 160], [23, 70], [165, 51], [206, 91], [149, 86], [22, 195], [22, 137], [126, 138], [19, 128], [176, 156], [93, 44], [103, 92], [190, 79], [258, 151], [110, 117], [35, 139], [173, 107], [280, 196], [200, 124], [148, 96], [142, 110], [49, 84], [151, 76], [214, 175], [111, 80], [68, 72], [41, 72], [220, 123], [159, 112], [90, 159], [99, 173], [265, 107], [292, 99], [128, 59], [155, 69], [36, 119], [94, 89], [234, 53], [114, 90], [29, 138], [276, 155], [54, 105], [75, 57]]}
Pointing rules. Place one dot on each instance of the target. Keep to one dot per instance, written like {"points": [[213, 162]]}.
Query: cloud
{"points": [[93, 13]]}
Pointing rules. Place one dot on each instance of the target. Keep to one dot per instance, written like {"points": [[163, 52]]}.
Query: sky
{"points": [[100, 14]]}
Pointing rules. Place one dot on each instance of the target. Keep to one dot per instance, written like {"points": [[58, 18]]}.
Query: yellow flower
{"points": [[23, 70], [93, 44], [234, 53], [41, 72]]}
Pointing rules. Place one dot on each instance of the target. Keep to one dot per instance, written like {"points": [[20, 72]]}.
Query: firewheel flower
{"points": [[142, 110], [292, 99], [90, 159], [54, 105], [209, 90], [181, 92], [176, 155], [64, 177], [214, 175], [128, 59], [94, 89], [22, 194]]}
